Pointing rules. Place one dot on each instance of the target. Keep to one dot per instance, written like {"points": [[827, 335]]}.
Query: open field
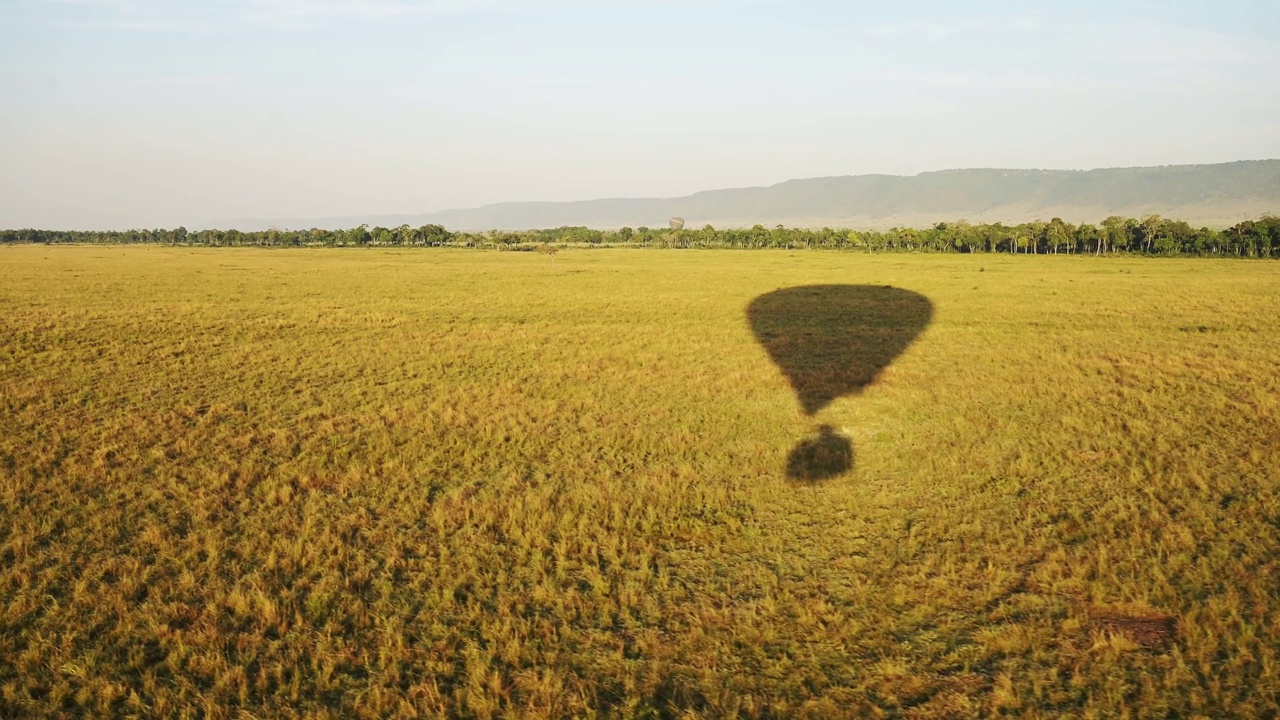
{"points": [[255, 483]]}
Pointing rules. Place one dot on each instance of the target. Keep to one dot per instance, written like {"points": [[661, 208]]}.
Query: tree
{"points": [[1150, 228], [1057, 234], [1116, 233], [358, 235], [1088, 238], [433, 234]]}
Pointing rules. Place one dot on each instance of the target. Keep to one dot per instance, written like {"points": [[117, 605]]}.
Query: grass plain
{"points": [[338, 483]]}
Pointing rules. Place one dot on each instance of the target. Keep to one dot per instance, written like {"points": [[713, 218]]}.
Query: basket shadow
{"points": [[822, 457]]}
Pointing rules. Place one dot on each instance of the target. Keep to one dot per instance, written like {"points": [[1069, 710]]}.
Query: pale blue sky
{"points": [[145, 113]]}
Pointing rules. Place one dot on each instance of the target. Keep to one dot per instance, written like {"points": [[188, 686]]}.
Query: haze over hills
{"points": [[1215, 195]]}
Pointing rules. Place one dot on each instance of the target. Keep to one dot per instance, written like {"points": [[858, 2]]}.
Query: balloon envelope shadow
{"points": [[831, 341]]}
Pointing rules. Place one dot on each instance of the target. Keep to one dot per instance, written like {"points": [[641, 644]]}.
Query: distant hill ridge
{"points": [[1216, 195]]}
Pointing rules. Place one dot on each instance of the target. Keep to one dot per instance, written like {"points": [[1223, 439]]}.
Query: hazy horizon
{"points": [[144, 113]]}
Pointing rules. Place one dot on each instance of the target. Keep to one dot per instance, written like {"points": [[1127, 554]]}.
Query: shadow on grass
{"points": [[831, 341]]}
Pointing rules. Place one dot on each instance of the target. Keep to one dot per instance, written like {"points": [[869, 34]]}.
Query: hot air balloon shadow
{"points": [[831, 341]]}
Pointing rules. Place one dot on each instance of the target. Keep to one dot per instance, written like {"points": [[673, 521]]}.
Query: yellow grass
{"points": [[336, 483]]}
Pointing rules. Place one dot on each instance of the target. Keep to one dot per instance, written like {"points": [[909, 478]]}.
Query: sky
{"points": [[122, 114]]}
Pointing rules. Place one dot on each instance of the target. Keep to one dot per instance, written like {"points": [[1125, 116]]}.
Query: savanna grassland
{"points": [[367, 483]]}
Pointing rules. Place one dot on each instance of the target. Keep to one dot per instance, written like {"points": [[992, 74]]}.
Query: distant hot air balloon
{"points": [[676, 223]]}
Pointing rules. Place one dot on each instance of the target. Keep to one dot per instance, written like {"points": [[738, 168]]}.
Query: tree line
{"points": [[426, 235], [1150, 235]]}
